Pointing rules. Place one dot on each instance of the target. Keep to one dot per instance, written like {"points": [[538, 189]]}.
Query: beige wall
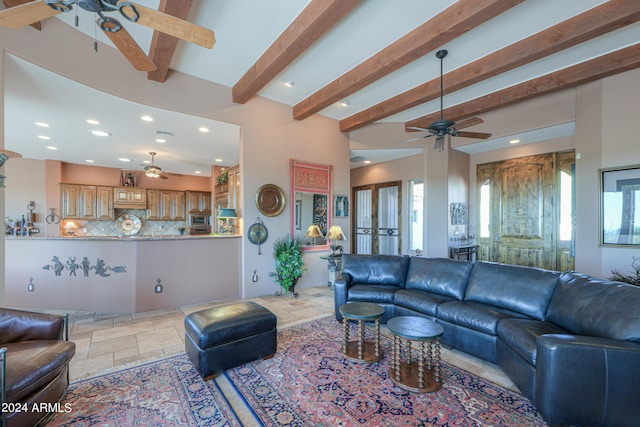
{"points": [[269, 135]]}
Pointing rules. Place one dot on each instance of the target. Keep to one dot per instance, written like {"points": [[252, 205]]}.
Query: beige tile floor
{"points": [[110, 341]]}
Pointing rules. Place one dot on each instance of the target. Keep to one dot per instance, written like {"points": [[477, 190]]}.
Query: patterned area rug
{"points": [[168, 392], [308, 382]]}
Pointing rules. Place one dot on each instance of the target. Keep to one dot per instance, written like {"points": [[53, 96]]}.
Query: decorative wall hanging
{"points": [[341, 206], [100, 268], [458, 213], [258, 234], [270, 200], [619, 221]]}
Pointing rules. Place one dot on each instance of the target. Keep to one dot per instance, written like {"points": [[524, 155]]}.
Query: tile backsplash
{"points": [[110, 228]]}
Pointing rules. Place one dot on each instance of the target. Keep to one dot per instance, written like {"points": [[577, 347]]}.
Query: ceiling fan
{"points": [[152, 170], [25, 13], [443, 127]]}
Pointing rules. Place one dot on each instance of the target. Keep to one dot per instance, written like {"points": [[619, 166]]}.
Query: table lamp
{"points": [[334, 235], [70, 228], [227, 221], [313, 232]]}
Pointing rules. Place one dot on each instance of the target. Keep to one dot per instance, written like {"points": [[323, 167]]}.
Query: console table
{"points": [[469, 252], [334, 266]]}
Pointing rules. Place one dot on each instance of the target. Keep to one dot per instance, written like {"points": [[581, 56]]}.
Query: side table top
{"points": [[415, 328], [361, 310]]}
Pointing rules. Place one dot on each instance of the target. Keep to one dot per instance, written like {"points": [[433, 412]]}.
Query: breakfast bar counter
{"points": [[120, 274]]}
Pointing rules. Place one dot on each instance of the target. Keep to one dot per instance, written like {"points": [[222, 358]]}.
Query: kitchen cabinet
{"points": [[228, 195], [165, 205], [129, 197], [78, 201], [104, 203], [198, 202]]}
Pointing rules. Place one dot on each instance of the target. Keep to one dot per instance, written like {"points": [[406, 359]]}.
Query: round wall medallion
{"points": [[270, 200]]}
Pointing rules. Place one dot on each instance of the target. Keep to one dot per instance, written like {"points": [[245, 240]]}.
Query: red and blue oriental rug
{"points": [[168, 392], [309, 383]]}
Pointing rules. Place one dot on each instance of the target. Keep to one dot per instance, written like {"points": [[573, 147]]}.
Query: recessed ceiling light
{"points": [[288, 83], [51, 148], [514, 141], [93, 122], [89, 161], [344, 103], [42, 124], [160, 140], [45, 137], [146, 118], [198, 172], [219, 160], [98, 132], [124, 159], [366, 162], [203, 129]]}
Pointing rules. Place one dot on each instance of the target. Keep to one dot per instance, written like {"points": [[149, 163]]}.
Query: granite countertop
{"points": [[124, 238]]}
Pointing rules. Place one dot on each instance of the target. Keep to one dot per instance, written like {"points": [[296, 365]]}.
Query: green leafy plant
{"points": [[287, 255], [223, 177], [633, 278]]}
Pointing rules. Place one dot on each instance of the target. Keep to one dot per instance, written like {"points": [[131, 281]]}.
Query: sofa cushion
{"points": [[418, 300], [587, 305], [372, 293], [473, 315], [525, 290], [31, 365], [521, 335], [376, 269], [439, 276]]}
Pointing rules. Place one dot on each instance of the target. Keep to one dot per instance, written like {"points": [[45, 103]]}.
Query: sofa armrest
{"points": [[340, 290], [587, 380], [17, 325]]}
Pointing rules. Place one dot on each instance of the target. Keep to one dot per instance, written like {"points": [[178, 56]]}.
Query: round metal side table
{"points": [[360, 350], [421, 375]]}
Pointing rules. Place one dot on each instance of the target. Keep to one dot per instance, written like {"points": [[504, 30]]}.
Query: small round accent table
{"points": [[421, 375], [361, 351]]}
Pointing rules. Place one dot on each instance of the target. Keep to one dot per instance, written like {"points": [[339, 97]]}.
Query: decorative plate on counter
{"points": [[129, 224], [270, 200]]}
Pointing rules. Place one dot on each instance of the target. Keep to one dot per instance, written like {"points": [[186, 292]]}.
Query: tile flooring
{"points": [[108, 341]]}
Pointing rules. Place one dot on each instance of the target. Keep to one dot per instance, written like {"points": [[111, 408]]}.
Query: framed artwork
{"points": [[620, 206], [341, 206]]}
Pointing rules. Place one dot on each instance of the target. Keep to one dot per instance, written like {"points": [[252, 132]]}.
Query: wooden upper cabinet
{"points": [[104, 203], [165, 205], [78, 201], [130, 197], [198, 202]]}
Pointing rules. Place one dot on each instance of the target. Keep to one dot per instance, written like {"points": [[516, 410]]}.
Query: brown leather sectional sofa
{"points": [[34, 365]]}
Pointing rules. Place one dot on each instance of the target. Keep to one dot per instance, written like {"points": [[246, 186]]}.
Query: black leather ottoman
{"points": [[224, 337]]}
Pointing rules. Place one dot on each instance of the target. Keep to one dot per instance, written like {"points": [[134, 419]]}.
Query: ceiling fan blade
{"points": [[417, 129], [164, 175], [25, 14], [129, 48], [477, 135], [176, 27], [469, 122], [415, 139]]}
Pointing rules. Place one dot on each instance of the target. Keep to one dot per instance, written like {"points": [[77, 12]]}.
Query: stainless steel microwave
{"points": [[195, 220]]}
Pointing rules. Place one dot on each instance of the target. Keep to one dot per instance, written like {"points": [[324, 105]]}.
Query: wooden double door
{"points": [[525, 208], [377, 218]]}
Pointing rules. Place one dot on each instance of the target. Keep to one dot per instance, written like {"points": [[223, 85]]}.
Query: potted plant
{"points": [[287, 255]]}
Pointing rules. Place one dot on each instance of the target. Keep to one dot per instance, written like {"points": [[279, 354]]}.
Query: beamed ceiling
{"points": [[377, 57]]}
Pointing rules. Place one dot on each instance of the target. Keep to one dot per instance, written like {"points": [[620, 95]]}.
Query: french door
{"points": [[377, 218]]}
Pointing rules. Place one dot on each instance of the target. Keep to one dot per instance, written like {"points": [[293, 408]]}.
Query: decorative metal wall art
{"points": [[100, 268], [458, 213]]}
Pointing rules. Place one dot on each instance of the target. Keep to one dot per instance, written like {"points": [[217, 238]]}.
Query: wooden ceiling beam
{"points": [[452, 22], [595, 69], [11, 3], [600, 20], [163, 46], [313, 22]]}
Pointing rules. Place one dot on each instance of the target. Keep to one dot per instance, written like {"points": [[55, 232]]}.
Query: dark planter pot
{"points": [[292, 290]]}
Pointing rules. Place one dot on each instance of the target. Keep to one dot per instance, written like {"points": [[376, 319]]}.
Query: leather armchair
{"points": [[34, 364]]}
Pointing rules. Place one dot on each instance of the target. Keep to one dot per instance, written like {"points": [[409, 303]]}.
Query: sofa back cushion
{"points": [[376, 269], [587, 305], [441, 276], [525, 290]]}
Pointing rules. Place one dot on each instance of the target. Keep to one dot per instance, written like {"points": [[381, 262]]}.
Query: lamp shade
{"points": [[335, 233], [313, 231], [70, 226], [227, 213]]}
